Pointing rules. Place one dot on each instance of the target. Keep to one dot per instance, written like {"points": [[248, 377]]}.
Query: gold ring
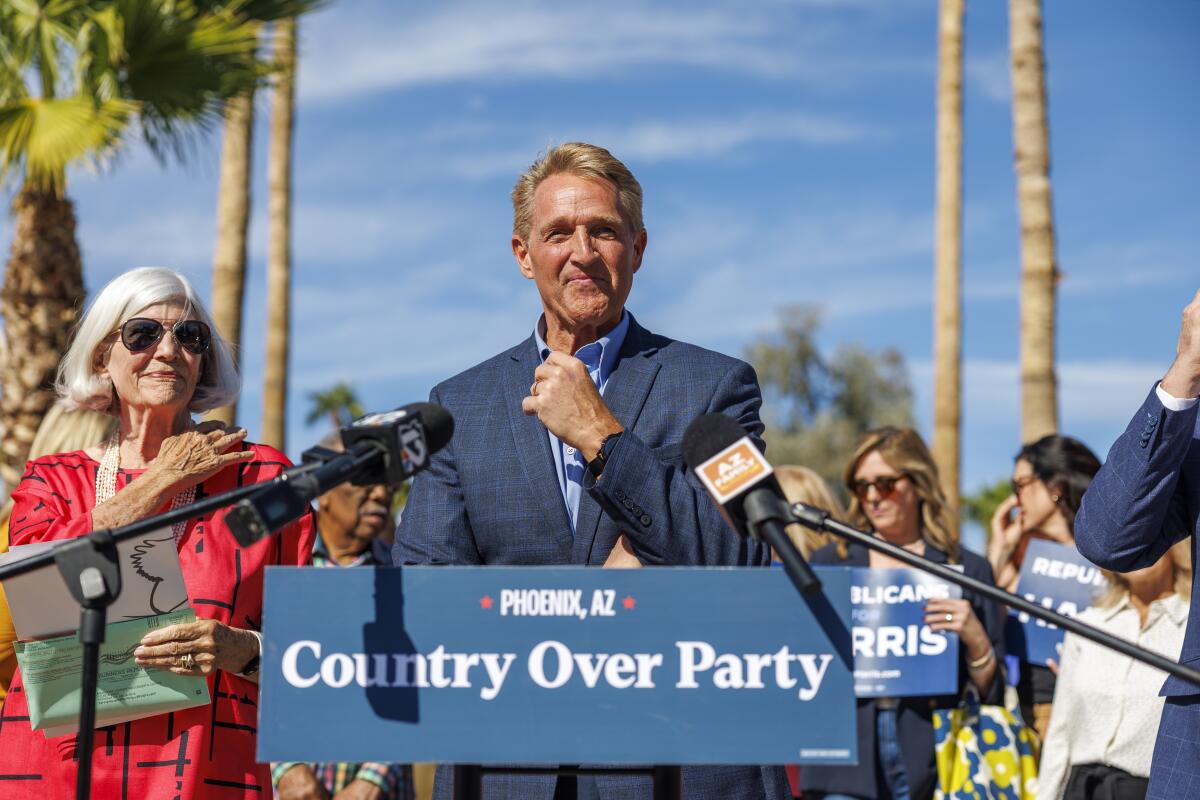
{"points": [[188, 661], [949, 617]]}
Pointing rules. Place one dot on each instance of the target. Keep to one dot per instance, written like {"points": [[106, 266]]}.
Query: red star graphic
{"points": [[629, 603], [485, 602]]}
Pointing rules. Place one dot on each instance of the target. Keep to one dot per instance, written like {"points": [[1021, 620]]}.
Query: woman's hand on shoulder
{"points": [[195, 455]]}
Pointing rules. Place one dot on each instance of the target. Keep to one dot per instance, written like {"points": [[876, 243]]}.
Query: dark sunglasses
{"points": [[140, 334], [884, 485], [1018, 485]]}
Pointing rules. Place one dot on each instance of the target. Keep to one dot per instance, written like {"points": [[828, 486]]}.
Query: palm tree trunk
{"points": [[947, 328], [233, 219], [1039, 272], [279, 256], [41, 300]]}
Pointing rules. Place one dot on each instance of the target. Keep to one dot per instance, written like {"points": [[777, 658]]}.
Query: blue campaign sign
{"points": [[547, 665], [895, 653], [1057, 577]]}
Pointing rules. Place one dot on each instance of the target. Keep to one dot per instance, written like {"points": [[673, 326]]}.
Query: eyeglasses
{"points": [[885, 485], [1020, 483], [140, 334]]}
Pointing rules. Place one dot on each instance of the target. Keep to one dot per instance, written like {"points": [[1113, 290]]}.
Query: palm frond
{"points": [[260, 10], [12, 77], [179, 66], [46, 135], [42, 27]]}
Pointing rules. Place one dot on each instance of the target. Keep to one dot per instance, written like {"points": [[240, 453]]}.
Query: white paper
{"points": [[151, 584]]}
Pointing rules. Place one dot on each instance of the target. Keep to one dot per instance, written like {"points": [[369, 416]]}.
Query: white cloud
{"points": [[727, 272], [668, 140], [1096, 400], [990, 76], [1091, 392], [365, 53], [702, 138]]}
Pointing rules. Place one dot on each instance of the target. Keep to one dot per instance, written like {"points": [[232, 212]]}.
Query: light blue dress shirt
{"points": [[600, 357]]}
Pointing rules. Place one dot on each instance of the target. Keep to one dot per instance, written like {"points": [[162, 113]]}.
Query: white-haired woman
{"points": [[147, 353]]}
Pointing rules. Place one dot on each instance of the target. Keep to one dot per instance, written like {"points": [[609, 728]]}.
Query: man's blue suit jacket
{"points": [[1145, 499], [492, 497]]}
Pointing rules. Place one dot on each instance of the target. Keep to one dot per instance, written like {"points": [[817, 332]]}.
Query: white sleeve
{"points": [[1056, 749], [1173, 403]]}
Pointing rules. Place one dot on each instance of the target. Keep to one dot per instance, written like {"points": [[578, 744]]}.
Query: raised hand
{"points": [[567, 402], [189, 458], [1006, 534], [1183, 378]]}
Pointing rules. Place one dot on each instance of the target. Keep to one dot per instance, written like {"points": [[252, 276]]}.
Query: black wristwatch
{"points": [[596, 465], [254, 663], [251, 667]]}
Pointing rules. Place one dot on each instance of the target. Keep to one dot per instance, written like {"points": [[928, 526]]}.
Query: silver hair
{"points": [[123, 298]]}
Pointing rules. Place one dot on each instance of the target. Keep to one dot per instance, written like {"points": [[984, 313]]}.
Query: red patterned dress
{"points": [[203, 752]]}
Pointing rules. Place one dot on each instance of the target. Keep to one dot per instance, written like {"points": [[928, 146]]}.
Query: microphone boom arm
{"points": [[819, 520]]}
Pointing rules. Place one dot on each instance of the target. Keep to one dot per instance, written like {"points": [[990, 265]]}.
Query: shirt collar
{"points": [[608, 347], [1175, 607], [321, 550]]}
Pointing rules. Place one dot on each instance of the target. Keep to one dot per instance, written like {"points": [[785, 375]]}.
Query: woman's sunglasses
{"points": [[884, 485], [1020, 483], [140, 334]]}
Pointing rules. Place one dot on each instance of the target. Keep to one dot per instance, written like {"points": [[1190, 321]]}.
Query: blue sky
{"points": [[786, 151]]}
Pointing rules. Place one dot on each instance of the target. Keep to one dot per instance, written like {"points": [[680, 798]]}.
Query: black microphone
{"points": [[742, 484], [388, 448]]}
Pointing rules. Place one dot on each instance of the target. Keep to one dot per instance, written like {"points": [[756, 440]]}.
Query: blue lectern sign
{"points": [[555, 665], [1056, 577], [895, 653]]}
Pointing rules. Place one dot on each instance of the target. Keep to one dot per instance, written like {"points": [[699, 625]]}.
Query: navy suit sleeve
{"points": [[434, 528], [1141, 501], [666, 513]]}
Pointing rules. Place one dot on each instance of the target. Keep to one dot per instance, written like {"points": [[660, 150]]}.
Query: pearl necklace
{"points": [[106, 483]]}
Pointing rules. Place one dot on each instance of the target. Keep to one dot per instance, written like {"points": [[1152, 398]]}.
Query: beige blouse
{"points": [[1106, 705]]}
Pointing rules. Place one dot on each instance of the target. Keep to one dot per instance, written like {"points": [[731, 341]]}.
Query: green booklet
{"points": [[51, 670]]}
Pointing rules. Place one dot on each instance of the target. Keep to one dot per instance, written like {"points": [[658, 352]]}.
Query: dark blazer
{"points": [[492, 497], [1143, 500], [915, 714]]}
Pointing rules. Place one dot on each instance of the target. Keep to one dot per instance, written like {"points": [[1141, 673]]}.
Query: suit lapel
{"points": [[533, 446], [625, 394]]}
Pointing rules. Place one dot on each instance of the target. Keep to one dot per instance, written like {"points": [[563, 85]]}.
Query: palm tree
{"points": [[947, 328], [339, 402], [1039, 272], [233, 220], [78, 80], [233, 195], [279, 256]]}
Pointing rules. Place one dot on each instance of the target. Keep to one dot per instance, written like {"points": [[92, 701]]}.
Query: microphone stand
{"points": [[819, 520], [767, 518], [90, 568]]}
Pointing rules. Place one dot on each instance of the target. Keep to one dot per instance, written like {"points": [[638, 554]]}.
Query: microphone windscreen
{"points": [[439, 424], [708, 435]]}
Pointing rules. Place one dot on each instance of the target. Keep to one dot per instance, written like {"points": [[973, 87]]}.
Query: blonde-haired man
{"points": [[566, 447]]}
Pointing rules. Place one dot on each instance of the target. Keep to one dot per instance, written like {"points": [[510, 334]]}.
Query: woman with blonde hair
{"points": [[1106, 705], [803, 485], [61, 429], [895, 493]]}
